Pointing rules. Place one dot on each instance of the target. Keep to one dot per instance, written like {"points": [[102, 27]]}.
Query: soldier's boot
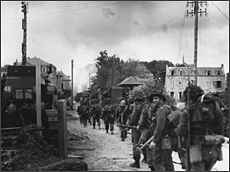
{"points": [[135, 164]]}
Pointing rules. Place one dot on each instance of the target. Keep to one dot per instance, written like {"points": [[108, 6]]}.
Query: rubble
{"points": [[31, 151]]}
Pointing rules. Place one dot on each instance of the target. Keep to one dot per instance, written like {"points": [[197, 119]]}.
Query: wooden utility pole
{"points": [[38, 94], [24, 27], [72, 84], [195, 8]]}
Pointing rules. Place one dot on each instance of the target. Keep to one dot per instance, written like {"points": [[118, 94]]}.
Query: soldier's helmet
{"points": [[158, 93], [122, 103], [139, 96], [193, 93]]}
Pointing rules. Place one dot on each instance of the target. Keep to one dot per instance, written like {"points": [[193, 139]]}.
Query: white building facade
{"points": [[210, 79]]}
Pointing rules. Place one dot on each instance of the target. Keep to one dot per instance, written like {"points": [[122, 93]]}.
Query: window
{"points": [[179, 82], [180, 95], [19, 94], [209, 73], [172, 72], [172, 94], [218, 72], [28, 94], [217, 84], [180, 73]]}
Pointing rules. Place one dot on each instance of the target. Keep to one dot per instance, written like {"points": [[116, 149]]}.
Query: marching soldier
{"points": [[161, 147], [133, 121], [96, 116], [122, 115], [147, 124], [205, 119], [108, 116]]}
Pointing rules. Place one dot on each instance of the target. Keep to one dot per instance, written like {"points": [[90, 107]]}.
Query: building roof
{"points": [[35, 60], [130, 81], [201, 71]]}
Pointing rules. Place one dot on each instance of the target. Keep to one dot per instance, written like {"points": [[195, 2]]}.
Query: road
{"points": [[104, 152]]}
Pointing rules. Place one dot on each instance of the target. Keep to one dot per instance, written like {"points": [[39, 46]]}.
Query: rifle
{"points": [[145, 144], [127, 126]]}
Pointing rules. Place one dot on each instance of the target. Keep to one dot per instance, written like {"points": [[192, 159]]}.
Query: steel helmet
{"points": [[122, 103]]}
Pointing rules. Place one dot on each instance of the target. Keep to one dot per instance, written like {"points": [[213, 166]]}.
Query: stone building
{"points": [[210, 79]]}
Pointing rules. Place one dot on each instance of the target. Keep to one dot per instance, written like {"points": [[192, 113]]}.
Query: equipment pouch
{"points": [[166, 143], [195, 153]]}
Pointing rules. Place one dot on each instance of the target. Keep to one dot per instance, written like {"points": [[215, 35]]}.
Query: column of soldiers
{"points": [[93, 114], [158, 129]]}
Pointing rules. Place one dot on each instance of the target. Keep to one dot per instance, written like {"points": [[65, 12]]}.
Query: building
{"points": [[63, 82], [210, 79]]}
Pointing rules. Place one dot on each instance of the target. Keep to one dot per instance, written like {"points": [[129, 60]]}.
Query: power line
{"points": [[220, 11]]}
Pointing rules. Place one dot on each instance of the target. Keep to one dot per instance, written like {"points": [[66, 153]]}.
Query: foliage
{"points": [[158, 69], [111, 70]]}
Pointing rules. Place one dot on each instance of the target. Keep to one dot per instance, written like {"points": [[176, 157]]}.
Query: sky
{"points": [[59, 31]]}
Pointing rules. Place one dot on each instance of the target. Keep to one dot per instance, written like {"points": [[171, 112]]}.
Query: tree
{"points": [[158, 69]]}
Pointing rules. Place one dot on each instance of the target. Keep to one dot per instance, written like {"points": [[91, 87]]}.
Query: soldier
{"points": [[161, 147], [96, 116], [108, 116], [84, 114], [206, 120], [122, 115], [147, 124], [133, 121]]}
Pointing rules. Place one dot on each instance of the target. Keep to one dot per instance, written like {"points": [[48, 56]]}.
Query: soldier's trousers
{"points": [[109, 125], [123, 133], [96, 120], [162, 159], [135, 140]]}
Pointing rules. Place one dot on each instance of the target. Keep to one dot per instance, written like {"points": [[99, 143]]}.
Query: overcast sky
{"points": [[150, 30]]}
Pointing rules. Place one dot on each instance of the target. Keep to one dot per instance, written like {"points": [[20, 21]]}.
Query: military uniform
{"points": [[147, 124], [122, 115], [96, 116], [133, 121], [83, 113], [108, 117], [206, 122], [162, 159]]}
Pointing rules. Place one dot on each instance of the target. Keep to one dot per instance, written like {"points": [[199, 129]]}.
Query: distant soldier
{"points": [[108, 116], [97, 116], [161, 146], [204, 115], [83, 112], [122, 115], [133, 121]]}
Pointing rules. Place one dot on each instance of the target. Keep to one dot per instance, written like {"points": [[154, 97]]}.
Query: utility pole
{"points": [[72, 84], [195, 8], [24, 28]]}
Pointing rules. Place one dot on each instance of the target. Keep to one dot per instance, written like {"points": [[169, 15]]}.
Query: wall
{"points": [[179, 80]]}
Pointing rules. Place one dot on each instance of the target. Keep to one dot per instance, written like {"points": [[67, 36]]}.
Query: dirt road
{"points": [[103, 151]]}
